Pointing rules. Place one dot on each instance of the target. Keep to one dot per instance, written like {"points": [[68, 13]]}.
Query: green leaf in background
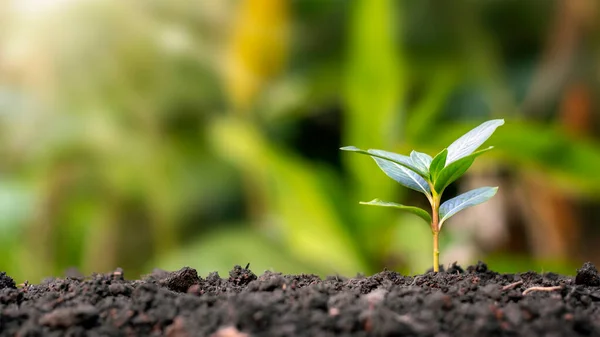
{"points": [[437, 164], [455, 170], [465, 200], [411, 209], [470, 141], [374, 84], [420, 160], [292, 195], [374, 76], [426, 111], [511, 262], [404, 176]]}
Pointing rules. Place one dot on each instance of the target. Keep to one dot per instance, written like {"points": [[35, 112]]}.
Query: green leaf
{"points": [[570, 161], [399, 159], [465, 200], [403, 160], [451, 173], [411, 209], [278, 174], [404, 176], [455, 170], [473, 139], [421, 160], [437, 164]]}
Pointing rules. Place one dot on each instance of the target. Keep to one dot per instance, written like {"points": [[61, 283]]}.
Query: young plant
{"points": [[431, 176]]}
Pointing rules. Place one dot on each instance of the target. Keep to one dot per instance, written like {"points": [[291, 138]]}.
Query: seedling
{"points": [[431, 176]]}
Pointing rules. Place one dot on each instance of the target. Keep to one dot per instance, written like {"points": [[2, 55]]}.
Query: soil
{"points": [[457, 302]]}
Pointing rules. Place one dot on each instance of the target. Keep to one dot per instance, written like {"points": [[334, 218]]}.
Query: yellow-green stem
{"points": [[435, 206], [436, 252]]}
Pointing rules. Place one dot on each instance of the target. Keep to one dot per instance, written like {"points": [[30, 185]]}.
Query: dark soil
{"points": [[475, 302]]}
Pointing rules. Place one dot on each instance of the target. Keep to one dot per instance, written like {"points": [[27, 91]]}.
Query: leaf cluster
{"points": [[430, 176]]}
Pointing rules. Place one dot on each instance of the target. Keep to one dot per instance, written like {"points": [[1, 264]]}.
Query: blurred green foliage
{"points": [[168, 133]]}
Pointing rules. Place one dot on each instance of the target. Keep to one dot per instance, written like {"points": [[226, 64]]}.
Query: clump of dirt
{"points": [[587, 275], [475, 302], [6, 281]]}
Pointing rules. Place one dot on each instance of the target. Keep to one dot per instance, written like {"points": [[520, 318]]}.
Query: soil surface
{"points": [[457, 302]]}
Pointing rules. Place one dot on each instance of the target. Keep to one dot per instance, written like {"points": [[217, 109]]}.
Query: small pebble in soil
{"points": [[118, 274]]}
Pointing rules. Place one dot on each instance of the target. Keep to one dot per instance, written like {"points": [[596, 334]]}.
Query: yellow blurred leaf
{"points": [[257, 49]]}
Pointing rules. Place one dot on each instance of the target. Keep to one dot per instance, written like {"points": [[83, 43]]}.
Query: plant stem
{"points": [[435, 206], [436, 252]]}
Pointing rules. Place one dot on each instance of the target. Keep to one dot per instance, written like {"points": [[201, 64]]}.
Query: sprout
{"points": [[431, 176]]}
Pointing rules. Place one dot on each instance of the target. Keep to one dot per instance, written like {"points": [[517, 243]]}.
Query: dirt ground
{"points": [[471, 302]]}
